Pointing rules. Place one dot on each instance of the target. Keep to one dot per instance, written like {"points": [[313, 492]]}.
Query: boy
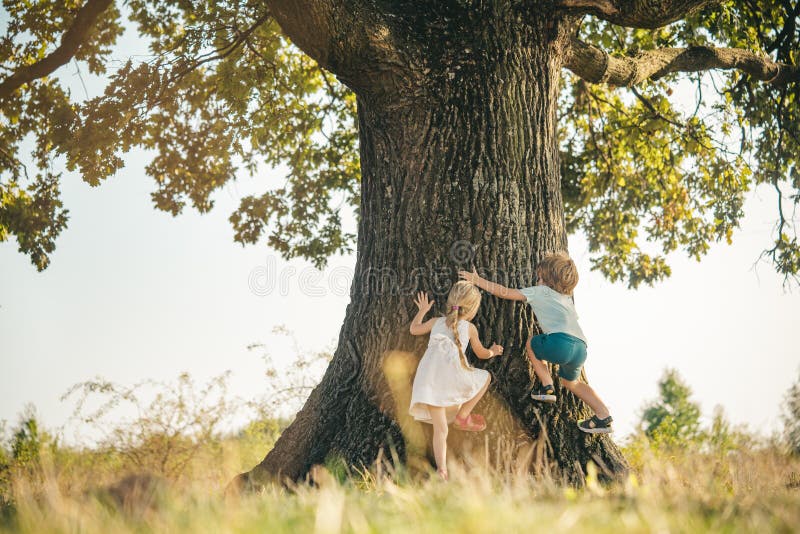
{"points": [[562, 341]]}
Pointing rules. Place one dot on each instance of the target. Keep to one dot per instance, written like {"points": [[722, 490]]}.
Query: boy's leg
{"points": [[541, 370], [544, 392], [467, 407], [539, 367], [439, 418], [587, 394]]}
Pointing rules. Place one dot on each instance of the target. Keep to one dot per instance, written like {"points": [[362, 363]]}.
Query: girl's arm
{"points": [[495, 289], [418, 328], [479, 350]]}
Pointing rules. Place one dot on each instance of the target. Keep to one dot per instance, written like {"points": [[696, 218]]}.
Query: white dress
{"points": [[441, 380]]}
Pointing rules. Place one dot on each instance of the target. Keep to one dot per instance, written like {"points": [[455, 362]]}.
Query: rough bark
{"points": [[638, 13], [597, 66], [459, 167], [351, 39]]}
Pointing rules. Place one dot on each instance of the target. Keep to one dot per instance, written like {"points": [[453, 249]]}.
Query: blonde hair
{"points": [[559, 272], [463, 301]]}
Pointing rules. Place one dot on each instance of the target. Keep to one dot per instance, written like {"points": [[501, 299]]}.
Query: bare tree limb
{"points": [[638, 13], [597, 66], [71, 42]]}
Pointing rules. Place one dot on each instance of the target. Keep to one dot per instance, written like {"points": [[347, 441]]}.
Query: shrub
{"points": [[168, 432], [791, 417], [673, 419]]}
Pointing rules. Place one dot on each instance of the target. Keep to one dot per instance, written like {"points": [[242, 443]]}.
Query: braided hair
{"points": [[463, 301]]}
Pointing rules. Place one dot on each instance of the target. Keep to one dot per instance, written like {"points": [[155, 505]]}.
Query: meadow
{"points": [[681, 492], [683, 478]]}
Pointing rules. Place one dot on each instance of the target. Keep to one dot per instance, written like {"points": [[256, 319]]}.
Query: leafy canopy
{"points": [[637, 167], [223, 93]]}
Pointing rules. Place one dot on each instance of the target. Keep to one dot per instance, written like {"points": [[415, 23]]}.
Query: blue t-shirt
{"points": [[554, 311]]}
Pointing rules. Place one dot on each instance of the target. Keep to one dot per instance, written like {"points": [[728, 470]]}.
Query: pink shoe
{"points": [[470, 423]]}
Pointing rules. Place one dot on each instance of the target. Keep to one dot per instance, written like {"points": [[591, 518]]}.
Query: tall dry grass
{"points": [[668, 491], [722, 480]]}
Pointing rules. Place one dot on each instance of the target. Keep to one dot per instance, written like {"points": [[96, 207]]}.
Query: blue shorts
{"points": [[569, 352]]}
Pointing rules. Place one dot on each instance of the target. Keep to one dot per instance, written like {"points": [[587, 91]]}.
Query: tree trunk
{"points": [[461, 171]]}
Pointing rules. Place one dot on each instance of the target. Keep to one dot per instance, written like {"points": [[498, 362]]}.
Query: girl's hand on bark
{"points": [[496, 349], [422, 302]]}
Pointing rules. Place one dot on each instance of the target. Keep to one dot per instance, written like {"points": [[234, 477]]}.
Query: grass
{"points": [[166, 472], [679, 491]]}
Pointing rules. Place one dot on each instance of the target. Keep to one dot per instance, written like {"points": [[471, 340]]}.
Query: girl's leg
{"points": [[467, 407], [587, 395], [439, 418]]}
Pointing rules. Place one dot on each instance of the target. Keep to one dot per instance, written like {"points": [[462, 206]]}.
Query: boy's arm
{"points": [[495, 289], [477, 347]]}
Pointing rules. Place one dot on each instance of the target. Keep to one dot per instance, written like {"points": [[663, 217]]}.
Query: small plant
{"points": [[5, 454], [5, 474], [26, 443], [724, 437], [791, 418]]}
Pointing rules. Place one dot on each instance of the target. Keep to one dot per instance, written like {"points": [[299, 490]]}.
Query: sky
{"points": [[133, 293]]}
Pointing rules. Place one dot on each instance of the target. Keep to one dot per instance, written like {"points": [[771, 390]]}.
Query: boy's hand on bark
{"points": [[422, 302], [471, 277]]}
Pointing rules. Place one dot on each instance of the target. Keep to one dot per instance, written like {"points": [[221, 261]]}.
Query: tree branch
{"points": [[596, 66], [223, 51], [309, 24], [332, 32], [349, 39], [638, 13], [71, 42]]}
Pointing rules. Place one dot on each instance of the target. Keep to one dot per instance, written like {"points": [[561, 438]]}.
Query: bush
{"points": [[168, 432], [5, 474], [673, 419], [26, 445], [791, 418]]}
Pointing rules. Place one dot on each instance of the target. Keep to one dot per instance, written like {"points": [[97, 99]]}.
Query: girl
{"points": [[446, 387]]}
